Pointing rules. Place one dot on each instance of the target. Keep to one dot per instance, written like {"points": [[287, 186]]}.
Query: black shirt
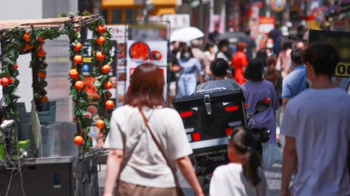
{"points": [[172, 61]]}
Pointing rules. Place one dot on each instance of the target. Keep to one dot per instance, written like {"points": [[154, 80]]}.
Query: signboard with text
{"points": [[341, 40]]}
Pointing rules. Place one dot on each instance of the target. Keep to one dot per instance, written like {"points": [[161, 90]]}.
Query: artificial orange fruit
{"points": [[44, 99], [78, 47], [108, 85], [78, 140], [15, 67], [11, 80], [79, 85], [101, 40], [100, 56], [105, 69], [87, 115], [5, 82], [109, 105], [26, 37], [41, 53], [101, 29], [41, 75], [100, 124], [78, 59], [40, 39], [73, 74]]}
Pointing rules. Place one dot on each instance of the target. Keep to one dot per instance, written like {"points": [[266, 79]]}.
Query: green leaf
{"points": [[86, 13], [107, 123], [4, 73], [108, 94], [81, 76], [62, 14], [73, 92], [87, 122], [7, 60]]}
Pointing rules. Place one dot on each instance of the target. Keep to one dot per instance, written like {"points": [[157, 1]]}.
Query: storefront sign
{"points": [[266, 24], [177, 21], [278, 5], [139, 52], [341, 40]]}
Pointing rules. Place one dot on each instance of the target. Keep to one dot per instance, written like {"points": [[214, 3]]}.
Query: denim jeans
{"points": [[186, 85]]}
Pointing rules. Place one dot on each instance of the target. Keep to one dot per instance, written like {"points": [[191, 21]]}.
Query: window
{"points": [[130, 15], [104, 14], [117, 16]]}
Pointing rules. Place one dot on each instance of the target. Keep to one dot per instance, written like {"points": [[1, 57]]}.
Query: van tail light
{"points": [[228, 132], [233, 108], [186, 114], [196, 137]]}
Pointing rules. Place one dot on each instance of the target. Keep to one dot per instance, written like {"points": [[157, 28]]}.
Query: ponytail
{"points": [[244, 143], [251, 167]]}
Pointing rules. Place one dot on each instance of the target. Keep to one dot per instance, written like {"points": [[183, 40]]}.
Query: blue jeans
{"points": [[186, 85]]}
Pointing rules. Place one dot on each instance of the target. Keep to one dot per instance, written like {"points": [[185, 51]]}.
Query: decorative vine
{"points": [[36, 42], [77, 92], [102, 60], [14, 44]]}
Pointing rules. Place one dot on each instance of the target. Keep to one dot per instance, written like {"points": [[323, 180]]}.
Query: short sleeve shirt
{"points": [[294, 83], [145, 164], [319, 120]]}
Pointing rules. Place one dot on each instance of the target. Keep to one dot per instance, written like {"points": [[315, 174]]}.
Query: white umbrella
{"points": [[186, 34]]}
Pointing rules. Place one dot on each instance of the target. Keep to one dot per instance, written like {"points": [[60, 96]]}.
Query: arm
{"points": [[187, 171], [200, 71], [289, 164], [284, 102], [114, 161]]}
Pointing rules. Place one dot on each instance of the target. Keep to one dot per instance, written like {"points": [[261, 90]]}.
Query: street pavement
{"points": [[273, 176]]}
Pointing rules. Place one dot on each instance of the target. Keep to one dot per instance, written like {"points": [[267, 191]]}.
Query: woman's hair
{"points": [[185, 50], [241, 46], [244, 142], [208, 46], [271, 60], [146, 87], [254, 71]]}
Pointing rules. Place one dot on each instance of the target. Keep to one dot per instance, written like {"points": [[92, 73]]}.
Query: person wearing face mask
{"points": [[223, 51], [240, 62], [265, 51], [187, 81]]}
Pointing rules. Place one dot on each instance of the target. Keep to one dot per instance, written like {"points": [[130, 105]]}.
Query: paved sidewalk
{"points": [[273, 176]]}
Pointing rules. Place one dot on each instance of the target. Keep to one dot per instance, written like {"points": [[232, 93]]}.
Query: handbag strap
{"points": [[159, 147]]}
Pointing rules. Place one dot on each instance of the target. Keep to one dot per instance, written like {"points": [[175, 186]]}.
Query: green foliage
{"points": [[86, 13], [62, 14], [101, 78]]}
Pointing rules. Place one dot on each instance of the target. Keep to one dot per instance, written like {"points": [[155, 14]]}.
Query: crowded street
{"points": [[175, 97]]}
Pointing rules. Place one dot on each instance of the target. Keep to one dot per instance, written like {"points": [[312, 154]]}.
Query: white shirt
{"points": [[146, 165], [319, 120], [229, 180]]}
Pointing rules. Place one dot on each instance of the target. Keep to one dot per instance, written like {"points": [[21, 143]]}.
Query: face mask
{"points": [[245, 50], [225, 49], [269, 45], [187, 55]]}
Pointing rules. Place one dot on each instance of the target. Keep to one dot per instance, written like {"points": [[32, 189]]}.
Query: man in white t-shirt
{"points": [[316, 124]]}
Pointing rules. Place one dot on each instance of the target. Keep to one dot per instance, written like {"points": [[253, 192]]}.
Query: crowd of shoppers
{"points": [[297, 79]]}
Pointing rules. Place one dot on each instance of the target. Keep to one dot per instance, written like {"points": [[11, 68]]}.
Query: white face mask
{"points": [[187, 55], [269, 45], [245, 50]]}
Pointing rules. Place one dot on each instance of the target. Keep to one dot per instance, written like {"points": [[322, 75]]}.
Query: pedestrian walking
{"points": [[222, 77], [243, 176], [240, 62], [144, 149], [258, 89], [316, 124], [187, 82]]}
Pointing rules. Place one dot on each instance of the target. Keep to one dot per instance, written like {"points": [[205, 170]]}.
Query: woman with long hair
{"points": [[258, 89], [141, 145], [243, 176], [240, 62], [187, 81]]}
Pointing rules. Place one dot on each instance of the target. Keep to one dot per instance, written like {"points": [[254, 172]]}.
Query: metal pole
{"points": [[267, 8], [201, 15]]}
